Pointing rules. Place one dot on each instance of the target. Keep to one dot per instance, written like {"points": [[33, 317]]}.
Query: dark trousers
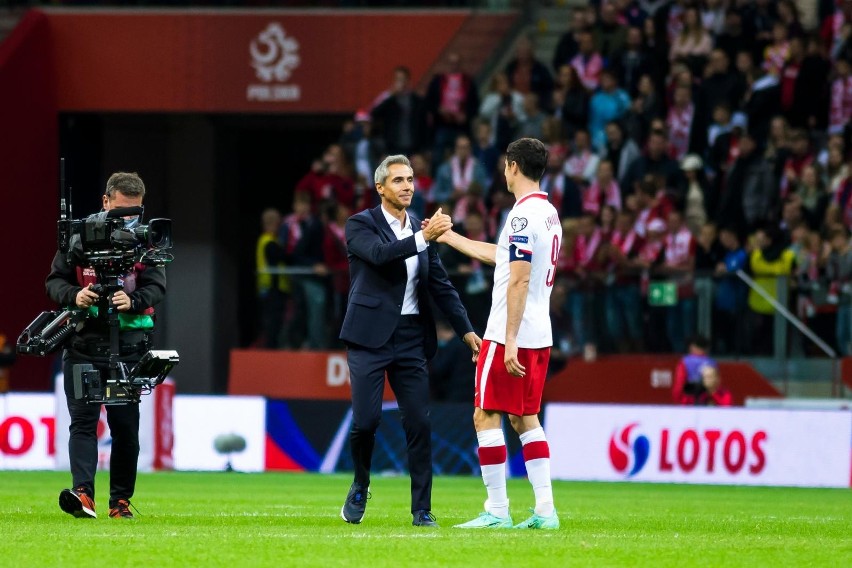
{"points": [[404, 360], [123, 423]]}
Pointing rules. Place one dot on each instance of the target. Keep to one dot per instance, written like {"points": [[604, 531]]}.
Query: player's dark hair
{"points": [[530, 155]]}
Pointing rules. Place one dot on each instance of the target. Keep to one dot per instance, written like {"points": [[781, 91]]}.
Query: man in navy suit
{"points": [[389, 328]]}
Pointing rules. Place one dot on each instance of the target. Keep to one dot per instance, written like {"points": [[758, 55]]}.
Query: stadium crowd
{"points": [[687, 141]]}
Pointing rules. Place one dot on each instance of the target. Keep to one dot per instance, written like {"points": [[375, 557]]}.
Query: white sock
{"points": [[537, 461], [492, 462]]}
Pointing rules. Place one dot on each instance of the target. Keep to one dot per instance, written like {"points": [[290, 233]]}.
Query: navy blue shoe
{"points": [[424, 519], [355, 504]]}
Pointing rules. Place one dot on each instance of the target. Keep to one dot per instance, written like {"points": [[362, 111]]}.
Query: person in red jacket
{"points": [[714, 394]]}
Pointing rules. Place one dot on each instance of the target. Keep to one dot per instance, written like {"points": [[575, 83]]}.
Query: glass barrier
{"points": [[604, 313]]}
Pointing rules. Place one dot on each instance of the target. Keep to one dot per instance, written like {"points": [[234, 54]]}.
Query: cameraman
{"points": [[143, 287]]}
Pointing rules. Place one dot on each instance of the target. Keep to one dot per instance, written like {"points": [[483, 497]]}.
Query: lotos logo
{"points": [[628, 455]]}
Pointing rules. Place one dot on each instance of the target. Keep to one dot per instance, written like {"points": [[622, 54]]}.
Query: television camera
{"points": [[111, 243]]}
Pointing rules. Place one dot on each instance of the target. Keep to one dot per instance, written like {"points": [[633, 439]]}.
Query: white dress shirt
{"points": [[412, 263]]}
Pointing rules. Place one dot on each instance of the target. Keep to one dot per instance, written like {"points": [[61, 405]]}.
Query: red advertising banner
{"points": [[315, 375], [231, 61]]}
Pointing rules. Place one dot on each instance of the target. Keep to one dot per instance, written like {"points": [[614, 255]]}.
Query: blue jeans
{"points": [[624, 312], [579, 306], [842, 329], [680, 323]]}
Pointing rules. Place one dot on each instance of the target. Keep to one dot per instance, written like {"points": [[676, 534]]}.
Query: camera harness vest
{"points": [[143, 321]]}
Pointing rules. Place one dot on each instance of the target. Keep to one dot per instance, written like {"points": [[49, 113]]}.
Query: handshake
{"points": [[436, 225]]}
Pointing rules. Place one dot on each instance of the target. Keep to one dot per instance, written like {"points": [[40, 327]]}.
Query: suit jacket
{"points": [[378, 277]]}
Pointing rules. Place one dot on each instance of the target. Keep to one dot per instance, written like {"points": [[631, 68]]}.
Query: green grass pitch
{"points": [[235, 519]]}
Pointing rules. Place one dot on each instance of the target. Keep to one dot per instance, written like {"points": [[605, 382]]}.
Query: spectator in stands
{"points": [[503, 107], [609, 34], [841, 97], [713, 393], [484, 149], [800, 157], [329, 178], [571, 101], [560, 325], [569, 44], [788, 14], [609, 103], [457, 173], [768, 262], [679, 267], [366, 151], [562, 191], [532, 126], [776, 54], [836, 170], [403, 117], [646, 106], [603, 191], [453, 101], [713, 16], [588, 62], [838, 271], [709, 252], [301, 235], [273, 290], [699, 199], [761, 103], [733, 39], [623, 298], [528, 75], [582, 163], [679, 123], [720, 87], [655, 161], [584, 297], [631, 62], [759, 18], [812, 195], [813, 86], [730, 294], [619, 149], [832, 28], [687, 384], [750, 198], [693, 43]]}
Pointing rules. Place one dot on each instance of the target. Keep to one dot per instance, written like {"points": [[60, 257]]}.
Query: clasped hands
{"points": [[436, 225]]}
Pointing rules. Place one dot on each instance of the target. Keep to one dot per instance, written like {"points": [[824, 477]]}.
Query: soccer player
{"points": [[512, 363]]}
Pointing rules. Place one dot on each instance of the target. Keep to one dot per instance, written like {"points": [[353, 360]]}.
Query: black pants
{"points": [[123, 423], [404, 360]]}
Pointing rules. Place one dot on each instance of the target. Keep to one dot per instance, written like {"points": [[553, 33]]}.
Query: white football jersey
{"points": [[532, 233]]}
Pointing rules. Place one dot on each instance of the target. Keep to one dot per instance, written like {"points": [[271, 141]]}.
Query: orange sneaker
{"points": [[78, 503], [121, 510]]}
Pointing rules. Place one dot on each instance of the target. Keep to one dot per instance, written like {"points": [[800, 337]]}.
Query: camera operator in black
{"points": [[143, 287]]}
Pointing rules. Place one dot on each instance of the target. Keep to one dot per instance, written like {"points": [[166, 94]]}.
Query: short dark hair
{"points": [[530, 155], [127, 184], [700, 341]]}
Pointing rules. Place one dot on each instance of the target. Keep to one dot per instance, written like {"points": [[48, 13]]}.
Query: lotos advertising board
{"points": [[27, 428], [700, 445]]}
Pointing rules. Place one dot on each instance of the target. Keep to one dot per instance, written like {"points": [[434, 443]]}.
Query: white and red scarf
{"points": [[594, 197], [588, 69], [679, 123], [588, 246], [841, 103], [462, 177]]}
